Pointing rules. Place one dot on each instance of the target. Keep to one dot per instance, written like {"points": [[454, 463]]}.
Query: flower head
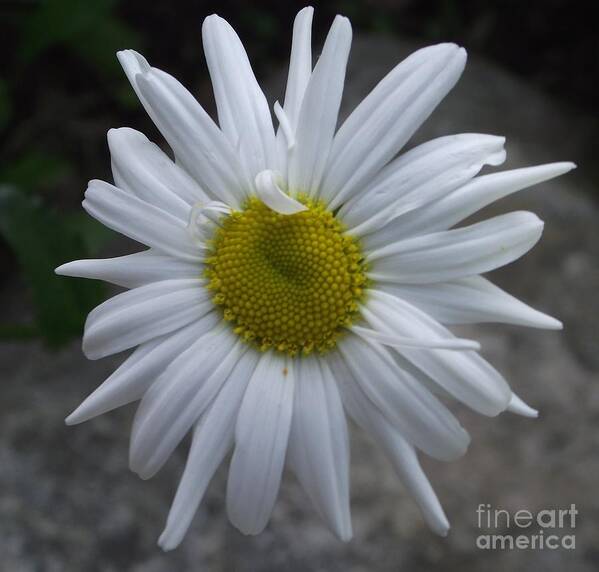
{"points": [[296, 274]]}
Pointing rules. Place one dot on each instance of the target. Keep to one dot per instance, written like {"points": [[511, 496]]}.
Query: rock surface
{"points": [[68, 501]]}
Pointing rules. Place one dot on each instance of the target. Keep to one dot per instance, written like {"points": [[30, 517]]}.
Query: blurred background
{"points": [[67, 501]]}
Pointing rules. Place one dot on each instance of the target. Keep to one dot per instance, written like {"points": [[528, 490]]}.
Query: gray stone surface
{"points": [[69, 503]]}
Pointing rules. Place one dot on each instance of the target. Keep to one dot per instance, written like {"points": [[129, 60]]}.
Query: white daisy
{"points": [[295, 275]]}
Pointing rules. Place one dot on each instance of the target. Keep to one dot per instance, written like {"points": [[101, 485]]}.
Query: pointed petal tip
{"points": [[520, 407], [72, 269], [540, 173], [547, 322], [437, 521], [80, 415], [558, 168], [73, 419]]}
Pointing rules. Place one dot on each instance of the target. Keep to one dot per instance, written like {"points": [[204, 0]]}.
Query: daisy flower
{"points": [[297, 274]]}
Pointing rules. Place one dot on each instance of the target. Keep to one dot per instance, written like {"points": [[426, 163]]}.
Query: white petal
{"points": [[422, 419], [243, 111], [132, 270], [261, 437], [421, 176], [319, 444], [131, 380], [319, 109], [519, 407], [199, 145], [300, 69], [300, 65], [144, 313], [141, 221], [465, 375], [134, 64], [288, 132], [179, 397], [471, 300], [212, 439], [204, 219], [450, 254], [463, 202], [400, 452], [456, 344], [141, 167], [379, 127], [274, 197], [143, 294]]}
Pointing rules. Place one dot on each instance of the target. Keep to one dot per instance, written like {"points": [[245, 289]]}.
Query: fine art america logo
{"points": [[547, 529]]}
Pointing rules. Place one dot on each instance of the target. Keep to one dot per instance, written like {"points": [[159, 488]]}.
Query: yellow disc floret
{"points": [[288, 282]]}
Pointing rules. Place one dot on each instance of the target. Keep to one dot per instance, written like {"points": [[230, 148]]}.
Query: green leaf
{"points": [[41, 241]]}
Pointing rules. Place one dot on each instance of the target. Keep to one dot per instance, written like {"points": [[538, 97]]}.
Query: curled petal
{"points": [[203, 219], [274, 197]]}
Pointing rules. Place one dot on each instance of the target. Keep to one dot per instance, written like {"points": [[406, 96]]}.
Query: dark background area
{"points": [[61, 89]]}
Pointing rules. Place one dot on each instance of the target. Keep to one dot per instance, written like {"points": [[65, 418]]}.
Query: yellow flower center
{"points": [[289, 282]]}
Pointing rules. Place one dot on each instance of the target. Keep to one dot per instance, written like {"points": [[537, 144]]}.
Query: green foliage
{"points": [[41, 240], [33, 167], [89, 29], [35, 170]]}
